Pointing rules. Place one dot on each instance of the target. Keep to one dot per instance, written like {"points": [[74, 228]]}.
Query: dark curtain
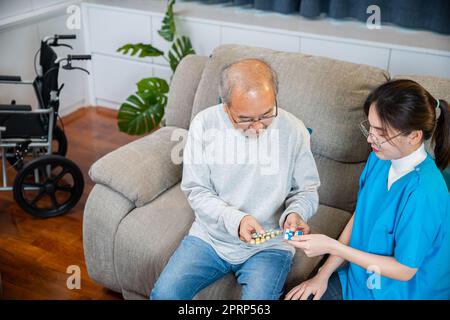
{"points": [[433, 15]]}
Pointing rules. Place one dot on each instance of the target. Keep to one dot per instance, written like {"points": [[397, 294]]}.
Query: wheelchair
{"points": [[46, 184]]}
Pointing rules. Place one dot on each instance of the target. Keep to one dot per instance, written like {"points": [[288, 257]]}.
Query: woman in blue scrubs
{"points": [[397, 243]]}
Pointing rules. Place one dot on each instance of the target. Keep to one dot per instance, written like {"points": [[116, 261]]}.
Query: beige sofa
{"points": [[136, 214]]}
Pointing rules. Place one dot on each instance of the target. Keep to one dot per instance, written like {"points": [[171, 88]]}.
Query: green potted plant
{"points": [[143, 111]]}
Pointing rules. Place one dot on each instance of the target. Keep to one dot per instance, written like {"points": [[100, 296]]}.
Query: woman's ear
{"points": [[415, 137]]}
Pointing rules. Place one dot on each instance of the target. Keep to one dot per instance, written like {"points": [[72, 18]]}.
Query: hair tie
{"points": [[438, 110]]}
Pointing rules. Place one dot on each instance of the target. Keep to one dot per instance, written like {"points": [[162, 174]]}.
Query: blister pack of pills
{"points": [[258, 238]]}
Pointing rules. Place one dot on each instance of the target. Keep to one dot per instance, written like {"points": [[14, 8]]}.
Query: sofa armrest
{"points": [[142, 169]]}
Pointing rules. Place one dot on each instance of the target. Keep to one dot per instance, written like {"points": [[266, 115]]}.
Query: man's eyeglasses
{"points": [[249, 122], [365, 129]]}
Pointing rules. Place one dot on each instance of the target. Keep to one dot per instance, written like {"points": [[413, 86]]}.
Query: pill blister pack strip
{"points": [[258, 238]]}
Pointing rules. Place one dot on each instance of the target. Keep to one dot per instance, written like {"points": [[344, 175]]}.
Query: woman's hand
{"points": [[315, 286], [315, 244]]}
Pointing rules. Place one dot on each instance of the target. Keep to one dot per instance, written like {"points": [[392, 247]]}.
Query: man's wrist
{"points": [[240, 222], [293, 212]]}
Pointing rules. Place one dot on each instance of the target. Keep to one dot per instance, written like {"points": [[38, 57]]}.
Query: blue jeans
{"points": [[195, 265], [334, 289]]}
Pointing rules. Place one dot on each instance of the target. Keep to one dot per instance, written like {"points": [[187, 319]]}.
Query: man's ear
{"points": [[415, 137]]}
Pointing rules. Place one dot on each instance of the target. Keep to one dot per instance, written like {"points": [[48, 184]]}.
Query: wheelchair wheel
{"points": [[60, 138], [59, 147], [48, 186]]}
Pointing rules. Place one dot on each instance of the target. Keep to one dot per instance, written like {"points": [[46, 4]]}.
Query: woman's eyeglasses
{"points": [[365, 129]]}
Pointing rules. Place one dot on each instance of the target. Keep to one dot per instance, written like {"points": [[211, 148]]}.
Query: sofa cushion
{"points": [[148, 236], [327, 95], [339, 182]]}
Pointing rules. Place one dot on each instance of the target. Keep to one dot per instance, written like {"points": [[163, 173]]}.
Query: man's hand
{"points": [[294, 222], [247, 226]]}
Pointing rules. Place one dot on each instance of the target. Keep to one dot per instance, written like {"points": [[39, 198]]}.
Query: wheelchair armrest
{"points": [[10, 78]]}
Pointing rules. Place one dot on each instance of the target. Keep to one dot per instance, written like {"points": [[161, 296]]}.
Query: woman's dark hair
{"points": [[406, 106]]}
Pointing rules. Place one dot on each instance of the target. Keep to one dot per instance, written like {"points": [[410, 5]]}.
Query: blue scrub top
{"points": [[410, 222]]}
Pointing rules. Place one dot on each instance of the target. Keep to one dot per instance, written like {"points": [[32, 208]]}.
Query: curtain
{"points": [[432, 15]]}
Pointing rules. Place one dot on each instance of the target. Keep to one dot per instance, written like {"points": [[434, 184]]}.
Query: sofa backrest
{"points": [[182, 91], [327, 95], [438, 87]]}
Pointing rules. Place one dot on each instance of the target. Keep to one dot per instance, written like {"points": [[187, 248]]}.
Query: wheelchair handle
{"points": [[79, 57]]}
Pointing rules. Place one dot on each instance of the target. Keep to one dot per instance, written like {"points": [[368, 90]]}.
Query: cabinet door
{"points": [[262, 39], [204, 37], [162, 72], [115, 79], [111, 29], [407, 63], [372, 56]]}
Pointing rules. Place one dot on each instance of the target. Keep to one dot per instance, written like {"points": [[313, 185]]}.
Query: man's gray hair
{"points": [[226, 84]]}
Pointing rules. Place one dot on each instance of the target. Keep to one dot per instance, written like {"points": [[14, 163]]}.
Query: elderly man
{"points": [[248, 168]]}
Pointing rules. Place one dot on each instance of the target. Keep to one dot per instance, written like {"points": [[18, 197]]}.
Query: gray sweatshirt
{"points": [[227, 176]]}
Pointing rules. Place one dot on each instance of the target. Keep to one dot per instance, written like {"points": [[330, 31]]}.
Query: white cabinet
{"points": [[262, 39], [373, 56], [115, 79], [408, 63], [162, 72], [204, 37], [111, 29], [158, 41]]}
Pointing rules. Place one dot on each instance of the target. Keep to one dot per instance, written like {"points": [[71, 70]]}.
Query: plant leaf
{"points": [[168, 28], [153, 85], [146, 50], [181, 47], [141, 113]]}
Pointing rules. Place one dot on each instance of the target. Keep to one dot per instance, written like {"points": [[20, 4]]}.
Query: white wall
{"points": [[14, 8], [20, 34]]}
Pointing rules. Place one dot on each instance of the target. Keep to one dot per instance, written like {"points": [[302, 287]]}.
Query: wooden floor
{"points": [[35, 253]]}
